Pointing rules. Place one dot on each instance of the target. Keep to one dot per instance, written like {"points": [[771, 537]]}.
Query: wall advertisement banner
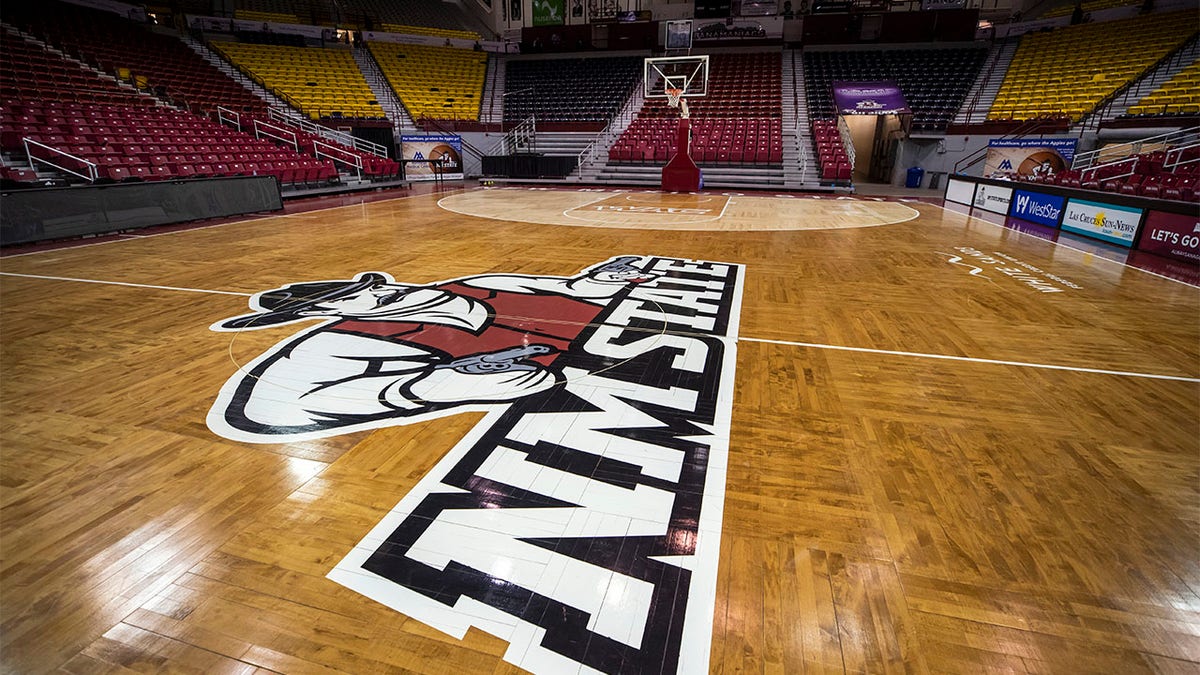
{"points": [[428, 155], [1108, 222], [1037, 208], [549, 12], [994, 198], [960, 191], [1028, 156], [869, 98], [1174, 235]]}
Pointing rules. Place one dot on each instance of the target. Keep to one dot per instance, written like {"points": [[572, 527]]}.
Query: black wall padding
{"points": [[38, 215]]}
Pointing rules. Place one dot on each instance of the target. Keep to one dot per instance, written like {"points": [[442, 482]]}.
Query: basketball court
{"points": [[757, 432]]}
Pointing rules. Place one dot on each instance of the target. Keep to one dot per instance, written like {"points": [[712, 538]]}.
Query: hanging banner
{"points": [[1028, 156], [869, 98], [549, 12], [430, 156]]}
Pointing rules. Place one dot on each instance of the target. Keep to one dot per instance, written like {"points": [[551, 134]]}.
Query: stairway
{"points": [[562, 143], [596, 159], [237, 75], [799, 165], [392, 108], [492, 110], [982, 94]]}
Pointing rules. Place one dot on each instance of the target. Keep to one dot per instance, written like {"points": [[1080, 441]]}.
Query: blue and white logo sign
{"points": [[1037, 208]]}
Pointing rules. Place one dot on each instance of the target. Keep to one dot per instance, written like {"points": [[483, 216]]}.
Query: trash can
{"points": [[915, 175]]}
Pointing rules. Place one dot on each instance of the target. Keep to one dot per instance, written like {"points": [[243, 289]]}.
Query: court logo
{"points": [[580, 519]]}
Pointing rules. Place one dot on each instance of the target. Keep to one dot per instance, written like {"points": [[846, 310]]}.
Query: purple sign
{"points": [[869, 98]]}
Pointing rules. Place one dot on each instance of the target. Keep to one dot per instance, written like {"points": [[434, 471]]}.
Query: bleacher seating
{"points": [[1170, 172], [934, 81], [128, 142], [739, 121], [159, 63], [378, 13], [1069, 71], [313, 12], [272, 17], [569, 90], [372, 166], [715, 141], [834, 163], [433, 82], [29, 71], [1087, 6], [434, 32], [321, 83], [1178, 96]]}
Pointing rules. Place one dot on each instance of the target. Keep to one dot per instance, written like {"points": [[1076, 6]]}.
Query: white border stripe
{"points": [[123, 283], [970, 359]]}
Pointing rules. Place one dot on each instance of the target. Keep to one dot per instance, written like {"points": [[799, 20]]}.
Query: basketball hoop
{"points": [[675, 100]]}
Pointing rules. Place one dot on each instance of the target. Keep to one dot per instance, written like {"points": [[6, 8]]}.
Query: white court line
{"points": [[970, 359], [968, 216], [123, 283], [864, 350]]}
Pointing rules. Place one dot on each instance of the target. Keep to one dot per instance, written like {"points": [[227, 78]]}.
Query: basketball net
{"points": [[675, 100]]}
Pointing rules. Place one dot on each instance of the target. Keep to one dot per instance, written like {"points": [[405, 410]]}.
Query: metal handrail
{"points": [[847, 142], [1180, 161], [226, 115], [437, 125], [327, 133], [1085, 160], [93, 172], [1091, 172], [518, 137], [979, 155], [259, 132], [355, 161], [1095, 118], [987, 78], [623, 118]]}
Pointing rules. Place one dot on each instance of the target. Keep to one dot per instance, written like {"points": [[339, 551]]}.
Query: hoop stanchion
{"points": [[681, 173]]}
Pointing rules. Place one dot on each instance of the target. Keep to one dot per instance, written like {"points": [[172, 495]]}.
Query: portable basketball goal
{"points": [[676, 79]]}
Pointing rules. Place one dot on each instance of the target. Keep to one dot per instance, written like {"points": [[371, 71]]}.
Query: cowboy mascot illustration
{"points": [[387, 351]]}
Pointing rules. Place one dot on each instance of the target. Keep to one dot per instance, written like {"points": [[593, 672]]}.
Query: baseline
{"points": [[972, 359]]}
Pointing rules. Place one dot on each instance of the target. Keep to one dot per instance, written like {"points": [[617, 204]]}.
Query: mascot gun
{"points": [[505, 360]]}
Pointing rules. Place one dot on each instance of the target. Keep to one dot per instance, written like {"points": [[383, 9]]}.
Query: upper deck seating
{"points": [[1070, 71], [433, 82], [159, 63], [934, 81], [321, 83], [569, 90]]}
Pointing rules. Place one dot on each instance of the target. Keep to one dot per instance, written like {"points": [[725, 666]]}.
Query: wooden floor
{"points": [[954, 448]]}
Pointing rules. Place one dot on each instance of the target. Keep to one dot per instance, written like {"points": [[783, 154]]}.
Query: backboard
{"points": [[687, 73], [678, 35]]}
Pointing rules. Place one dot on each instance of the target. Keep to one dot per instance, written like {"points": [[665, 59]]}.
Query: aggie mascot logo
{"points": [[580, 520]]}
